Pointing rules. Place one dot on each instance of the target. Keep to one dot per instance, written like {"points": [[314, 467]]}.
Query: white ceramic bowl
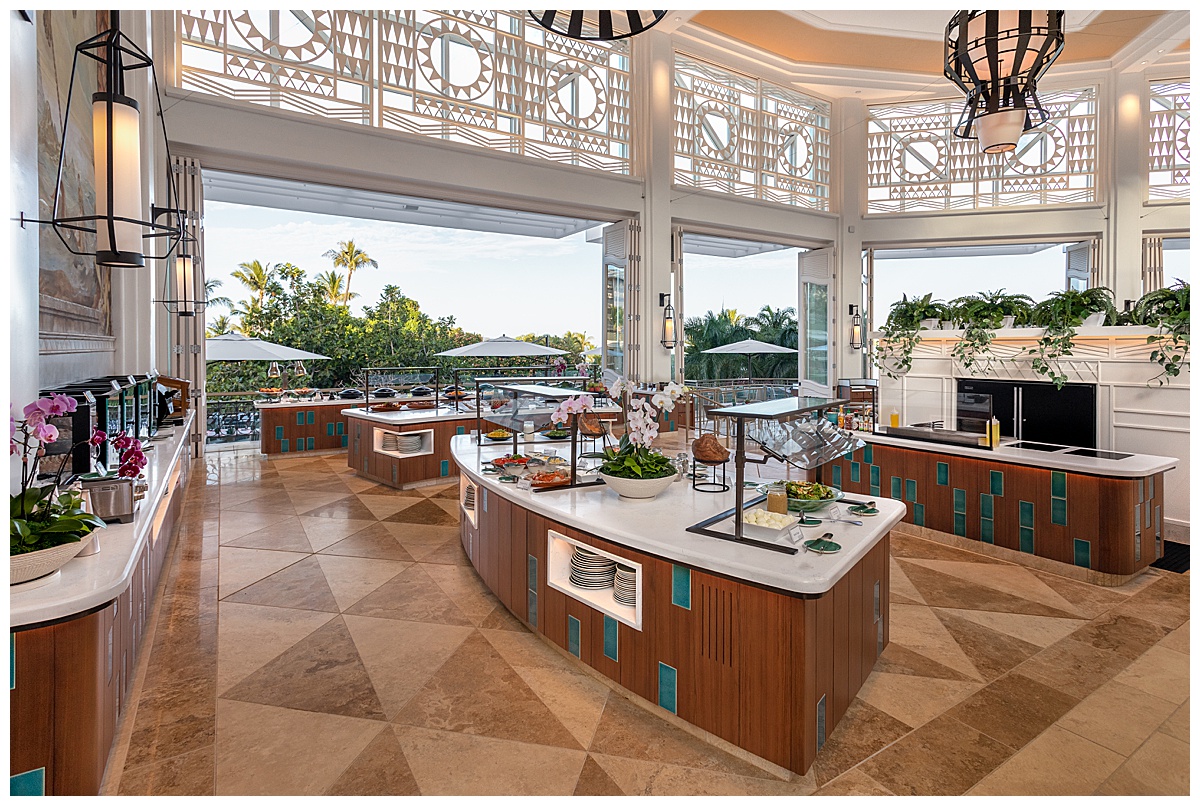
{"points": [[34, 564], [637, 488]]}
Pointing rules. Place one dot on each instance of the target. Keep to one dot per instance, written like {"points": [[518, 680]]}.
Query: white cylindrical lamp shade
{"points": [[185, 285], [1000, 131], [119, 183]]}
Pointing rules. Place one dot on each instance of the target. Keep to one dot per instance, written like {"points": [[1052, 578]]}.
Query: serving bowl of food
{"points": [[394, 405], [550, 478], [556, 433], [809, 496], [422, 404], [762, 523], [499, 434], [513, 459]]}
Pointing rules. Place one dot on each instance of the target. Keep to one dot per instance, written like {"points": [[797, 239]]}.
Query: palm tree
{"points": [[776, 326], [349, 257], [209, 287], [219, 326], [330, 284], [713, 330], [256, 277]]}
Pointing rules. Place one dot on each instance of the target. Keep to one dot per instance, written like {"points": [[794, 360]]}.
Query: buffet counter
{"points": [[291, 426], [74, 636], [762, 649], [426, 458], [1094, 517]]}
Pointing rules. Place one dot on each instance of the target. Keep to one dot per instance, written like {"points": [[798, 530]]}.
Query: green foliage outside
{"points": [[771, 325]]}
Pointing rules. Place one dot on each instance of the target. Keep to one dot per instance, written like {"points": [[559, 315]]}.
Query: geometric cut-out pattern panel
{"points": [[1170, 156], [482, 78]]}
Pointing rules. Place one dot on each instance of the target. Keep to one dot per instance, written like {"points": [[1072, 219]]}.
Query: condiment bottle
{"points": [[994, 432], [777, 498]]}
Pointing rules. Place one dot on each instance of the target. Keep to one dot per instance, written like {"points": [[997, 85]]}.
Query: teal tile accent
{"points": [[531, 603], [283, 445], [573, 635], [672, 424], [28, 783], [837, 475], [1058, 484], [341, 427], [960, 524], [987, 531], [279, 432], [985, 506], [855, 472], [896, 488], [1083, 553], [345, 440], [610, 638], [1026, 540], [919, 514], [1026, 509], [312, 418], [299, 418], [875, 479], [459, 430], [299, 443], [875, 490], [869, 454], [943, 474], [960, 500], [681, 586], [531, 579], [1058, 511], [821, 722], [997, 482], [311, 443], [667, 679], [445, 468], [910, 490], [328, 429]]}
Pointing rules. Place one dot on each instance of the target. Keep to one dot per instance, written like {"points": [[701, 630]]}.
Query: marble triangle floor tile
{"points": [[918, 628], [992, 653], [577, 700], [301, 585], [322, 672], [648, 778], [451, 763], [411, 595], [1013, 709], [1117, 716], [1010, 579], [384, 506], [304, 500], [1041, 631], [380, 769], [238, 567], [346, 508], [900, 660], [475, 691], [1072, 667], [277, 503], [422, 540], [285, 535], [465, 587], [352, 578], [863, 731], [942, 757], [914, 700], [853, 783], [501, 619], [940, 589], [1126, 635], [1038, 769], [324, 532], [172, 719], [251, 635], [266, 750], [401, 656], [374, 542], [910, 547], [185, 774], [595, 782], [236, 524], [424, 512], [451, 553]]}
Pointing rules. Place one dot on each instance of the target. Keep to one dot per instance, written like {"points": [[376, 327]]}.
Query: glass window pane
{"points": [[816, 332], [614, 318]]}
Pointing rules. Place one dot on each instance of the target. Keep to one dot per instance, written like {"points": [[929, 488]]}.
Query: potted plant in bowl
{"points": [[979, 315], [634, 469], [47, 527], [901, 332], [1060, 314], [1169, 310]]}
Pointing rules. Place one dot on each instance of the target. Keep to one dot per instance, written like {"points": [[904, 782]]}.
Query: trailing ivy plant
{"points": [[1059, 315], [979, 315], [1169, 310], [901, 332]]}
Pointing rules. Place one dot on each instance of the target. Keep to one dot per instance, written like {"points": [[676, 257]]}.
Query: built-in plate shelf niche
{"points": [[424, 447], [559, 549]]}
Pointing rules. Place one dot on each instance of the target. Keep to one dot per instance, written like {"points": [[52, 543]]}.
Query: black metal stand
{"points": [[718, 484]]}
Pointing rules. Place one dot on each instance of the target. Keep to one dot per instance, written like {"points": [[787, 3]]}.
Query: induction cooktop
{"points": [[1035, 446], [1097, 454]]}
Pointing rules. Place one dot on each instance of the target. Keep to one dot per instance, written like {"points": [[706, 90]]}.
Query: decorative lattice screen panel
{"points": [[1170, 166]]}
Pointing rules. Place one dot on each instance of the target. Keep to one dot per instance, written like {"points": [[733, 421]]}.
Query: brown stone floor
{"points": [[319, 634]]}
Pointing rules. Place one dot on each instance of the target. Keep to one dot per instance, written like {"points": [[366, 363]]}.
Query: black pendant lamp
{"points": [[597, 26], [997, 59], [119, 223]]}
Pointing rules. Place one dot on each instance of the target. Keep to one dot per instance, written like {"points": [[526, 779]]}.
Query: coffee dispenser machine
{"points": [[74, 430]]}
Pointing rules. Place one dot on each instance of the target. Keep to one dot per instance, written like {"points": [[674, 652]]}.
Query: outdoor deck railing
{"points": [[232, 417]]}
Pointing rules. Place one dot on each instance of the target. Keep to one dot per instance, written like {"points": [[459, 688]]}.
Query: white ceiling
{"points": [[908, 24]]}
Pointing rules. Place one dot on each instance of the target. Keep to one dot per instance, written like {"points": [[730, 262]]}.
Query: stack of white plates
{"points": [[625, 585], [591, 570], [401, 443], [469, 498]]}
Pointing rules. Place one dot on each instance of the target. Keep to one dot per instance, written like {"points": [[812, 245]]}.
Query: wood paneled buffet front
{"points": [[763, 649]]}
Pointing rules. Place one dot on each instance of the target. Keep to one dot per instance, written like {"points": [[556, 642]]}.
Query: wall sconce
{"points": [[997, 59], [188, 299], [273, 370], [856, 334], [597, 26], [298, 369], [668, 329], [119, 223]]}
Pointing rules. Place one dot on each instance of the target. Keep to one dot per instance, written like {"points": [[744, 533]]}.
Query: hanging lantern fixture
{"points": [[119, 223], [997, 58], [668, 328], [856, 334], [597, 26]]}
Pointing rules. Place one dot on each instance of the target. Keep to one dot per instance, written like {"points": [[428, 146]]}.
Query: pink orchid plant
{"points": [[577, 404]]}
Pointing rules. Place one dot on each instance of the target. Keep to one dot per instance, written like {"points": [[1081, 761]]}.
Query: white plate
{"points": [[754, 530]]}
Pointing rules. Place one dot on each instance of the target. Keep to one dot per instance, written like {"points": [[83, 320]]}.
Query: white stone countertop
{"points": [[1137, 465], [295, 403], [87, 582], [405, 417], [658, 526]]}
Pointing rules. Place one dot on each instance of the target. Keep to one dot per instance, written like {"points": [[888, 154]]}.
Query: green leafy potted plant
{"points": [[979, 315], [634, 469], [47, 528], [1169, 310], [1059, 315], [901, 332]]}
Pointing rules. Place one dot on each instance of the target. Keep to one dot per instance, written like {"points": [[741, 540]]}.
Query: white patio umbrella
{"points": [[236, 347], [592, 352], [750, 348], [501, 347]]}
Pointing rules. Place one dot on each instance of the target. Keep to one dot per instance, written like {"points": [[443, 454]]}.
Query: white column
{"points": [[849, 149], [1122, 266]]}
